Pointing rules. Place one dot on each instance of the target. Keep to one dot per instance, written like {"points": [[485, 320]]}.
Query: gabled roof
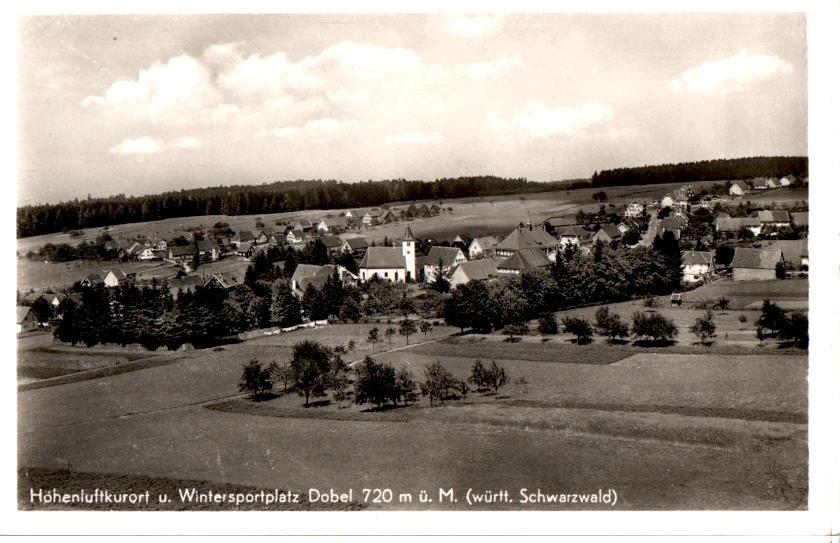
{"points": [[485, 242], [691, 258], [331, 241], [671, 223], [245, 235], [766, 215], [383, 258], [94, 278], [611, 230], [525, 259], [23, 311], [479, 269], [296, 233], [244, 248], [225, 279], [740, 184], [446, 254], [331, 222], [792, 249], [205, 245], [523, 238], [557, 222], [189, 282], [763, 259], [760, 182], [356, 243], [466, 239], [735, 224], [408, 235], [119, 274], [574, 230], [305, 270], [182, 250]]}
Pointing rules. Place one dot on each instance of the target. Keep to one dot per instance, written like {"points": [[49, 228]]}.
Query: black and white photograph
{"points": [[380, 262]]}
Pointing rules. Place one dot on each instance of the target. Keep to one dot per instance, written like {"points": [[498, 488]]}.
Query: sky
{"points": [[139, 104]]}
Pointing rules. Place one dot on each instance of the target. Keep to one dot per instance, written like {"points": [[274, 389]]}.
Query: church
{"points": [[391, 263]]}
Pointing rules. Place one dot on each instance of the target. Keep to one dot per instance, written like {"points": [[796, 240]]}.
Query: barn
{"points": [[755, 264]]}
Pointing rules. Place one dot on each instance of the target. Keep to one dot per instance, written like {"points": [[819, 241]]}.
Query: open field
{"points": [[626, 423], [37, 274]]}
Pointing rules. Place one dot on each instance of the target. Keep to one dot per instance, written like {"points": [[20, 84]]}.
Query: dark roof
{"points": [[767, 215], [205, 245], [735, 224], [383, 258], [696, 257], [245, 235], [485, 242], [119, 274], [525, 259], [408, 235], [356, 243], [763, 259], [792, 249], [479, 269], [741, 184], [331, 241], [225, 279], [557, 222], [523, 238], [575, 231], [182, 250], [671, 223], [611, 230], [446, 254], [23, 311]]}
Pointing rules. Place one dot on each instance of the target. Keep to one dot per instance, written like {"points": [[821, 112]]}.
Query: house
{"points": [[667, 201], [369, 219], [332, 225], [391, 263], [387, 216], [332, 243], [552, 224], [670, 224], [354, 246], [734, 225], [245, 250], [761, 184], [474, 270], [634, 209], [772, 183], [243, 236], [773, 218], [448, 257], [294, 236], [263, 237], [755, 264], [795, 252], [161, 245], [573, 235], [311, 274], [147, 253], [785, 181], [207, 249], [527, 259], [527, 238], [482, 247], [697, 265], [608, 233], [225, 280], [27, 319], [180, 285], [181, 254], [92, 280], [738, 188], [114, 278], [463, 240]]}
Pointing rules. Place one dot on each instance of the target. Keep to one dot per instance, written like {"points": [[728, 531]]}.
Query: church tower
{"points": [[408, 253]]}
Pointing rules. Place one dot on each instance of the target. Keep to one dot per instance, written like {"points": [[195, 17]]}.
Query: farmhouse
{"points": [[180, 285], [697, 265], [795, 252], [738, 188], [114, 278], [225, 280], [332, 225], [448, 257], [245, 250], [244, 236], [527, 238], [552, 224], [207, 249], [92, 280], [387, 216], [608, 233], [295, 236], [761, 184], [634, 209], [734, 225], [573, 235], [785, 181], [773, 218], [391, 263], [474, 270], [182, 254], [799, 218], [332, 243], [311, 274], [464, 240], [27, 319], [667, 201], [524, 260], [354, 246], [755, 264], [483, 247]]}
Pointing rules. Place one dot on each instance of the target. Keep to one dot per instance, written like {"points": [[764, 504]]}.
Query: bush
{"points": [[653, 326], [704, 327], [722, 303], [609, 324], [580, 328], [256, 380], [651, 302], [771, 320], [742, 318], [493, 377], [795, 328]]}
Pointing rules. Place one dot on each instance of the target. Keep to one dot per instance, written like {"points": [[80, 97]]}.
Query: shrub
{"points": [[722, 303], [609, 324], [796, 329], [742, 318], [256, 380], [771, 320], [704, 327], [651, 302]]}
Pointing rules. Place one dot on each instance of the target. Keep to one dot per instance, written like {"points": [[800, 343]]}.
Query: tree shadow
{"points": [[384, 408], [616, 341], [512, 339], [264, 397], [654, 343], [319, 403]]}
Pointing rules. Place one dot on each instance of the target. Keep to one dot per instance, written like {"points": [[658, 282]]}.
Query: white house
{"points": [[482, 247], [114, 278], [738, 188], [697, 265], [448, 257], [634, 209], [667, 201], [391, 263], [474, 270]]}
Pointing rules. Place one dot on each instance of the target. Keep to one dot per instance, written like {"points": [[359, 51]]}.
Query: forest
{"points": [[704, 170]]}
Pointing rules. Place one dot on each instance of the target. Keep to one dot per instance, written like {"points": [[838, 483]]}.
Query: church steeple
{"points": [[408, 241]]}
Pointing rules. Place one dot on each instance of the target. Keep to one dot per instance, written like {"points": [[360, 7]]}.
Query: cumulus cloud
{"points": [[177, 89], [732, 74], [493, 68], [472, 26], [538, 120], [139, 146], [414, 137]]}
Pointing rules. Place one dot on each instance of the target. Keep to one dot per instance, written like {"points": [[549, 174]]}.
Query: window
{"points": [[386, 275]]}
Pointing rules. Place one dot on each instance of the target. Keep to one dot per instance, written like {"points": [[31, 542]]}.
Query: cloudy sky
{"points": [[142, 104]]}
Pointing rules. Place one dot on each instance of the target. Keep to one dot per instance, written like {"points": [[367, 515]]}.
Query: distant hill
{"points": [[704, 170]]}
